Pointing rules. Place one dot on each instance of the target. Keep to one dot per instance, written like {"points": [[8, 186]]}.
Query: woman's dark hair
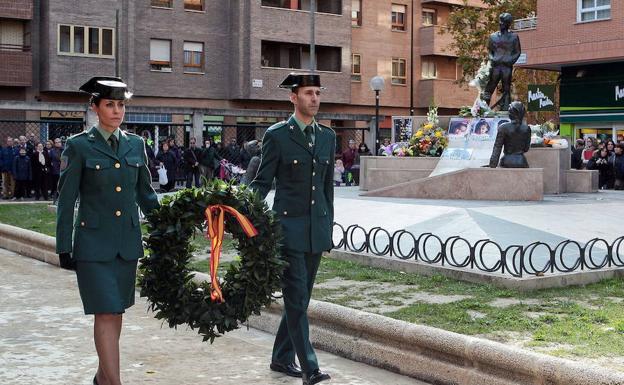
{"points": [[96, 100]]}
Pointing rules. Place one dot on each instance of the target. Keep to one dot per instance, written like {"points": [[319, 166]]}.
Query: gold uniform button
{"points": [[137, 165], [313, 160], [285, 212], [312, 201], [295, 161], [82, 224], [118, 188], [313, 188], [117, 165], [97, 166], [118, 213]]}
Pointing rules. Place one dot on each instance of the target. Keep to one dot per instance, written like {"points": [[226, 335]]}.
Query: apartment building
{"points": [[16, 70], [212, 63], [584, 41]]}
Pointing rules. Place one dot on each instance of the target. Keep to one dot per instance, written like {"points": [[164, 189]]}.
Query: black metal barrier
{"points": [[483, 255]]}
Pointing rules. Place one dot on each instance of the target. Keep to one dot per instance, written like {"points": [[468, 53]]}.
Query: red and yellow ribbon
{"points": [[216, 226]]}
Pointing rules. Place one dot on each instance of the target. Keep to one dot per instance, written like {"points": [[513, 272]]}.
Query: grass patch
{"points": [[31, 216], [569, 322]]}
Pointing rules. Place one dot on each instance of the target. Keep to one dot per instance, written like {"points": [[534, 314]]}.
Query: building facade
{"points": [[215, 63], [584, 41]]}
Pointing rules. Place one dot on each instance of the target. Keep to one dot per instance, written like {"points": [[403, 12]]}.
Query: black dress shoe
{"points": [[291, 369], [316, 377]]}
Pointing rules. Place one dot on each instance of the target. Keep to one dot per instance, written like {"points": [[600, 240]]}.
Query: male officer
{"points": [[299, 155]]}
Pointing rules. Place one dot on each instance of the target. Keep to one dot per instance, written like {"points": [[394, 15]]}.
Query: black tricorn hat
{"points": [[295, 80], [106, 87]]}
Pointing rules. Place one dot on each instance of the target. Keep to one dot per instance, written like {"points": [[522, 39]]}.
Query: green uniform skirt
{"points": [[106, 287]]}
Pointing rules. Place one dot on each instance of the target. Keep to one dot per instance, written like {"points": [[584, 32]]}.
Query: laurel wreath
{"points": [[248, 284]]}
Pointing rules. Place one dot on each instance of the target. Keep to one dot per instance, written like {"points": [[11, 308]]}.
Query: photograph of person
{"points": [[481, 127], [458, 127]]}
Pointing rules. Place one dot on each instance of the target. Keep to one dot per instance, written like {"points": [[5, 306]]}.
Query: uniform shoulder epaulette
{"points": [[278, 125], [132, 134], [82, 133], [327, 128]]}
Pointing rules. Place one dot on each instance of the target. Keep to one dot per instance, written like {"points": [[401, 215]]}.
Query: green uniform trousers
{"points": [[293, 335]]}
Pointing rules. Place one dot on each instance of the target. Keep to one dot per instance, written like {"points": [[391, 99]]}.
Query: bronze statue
{"points": [[515, 137], [504, 50]]}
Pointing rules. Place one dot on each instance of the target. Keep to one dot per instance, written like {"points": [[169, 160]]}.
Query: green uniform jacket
{"points": [[110, 187], [304, 195]]}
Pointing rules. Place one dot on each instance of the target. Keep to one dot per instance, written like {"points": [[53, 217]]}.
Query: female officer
{"points": [[107, 168]]}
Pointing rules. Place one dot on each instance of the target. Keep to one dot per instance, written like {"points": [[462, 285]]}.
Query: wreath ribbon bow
{"points": [[215, 216]]}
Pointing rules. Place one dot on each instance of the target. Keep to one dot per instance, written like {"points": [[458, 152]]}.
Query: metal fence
{"points": [[537, 258]]}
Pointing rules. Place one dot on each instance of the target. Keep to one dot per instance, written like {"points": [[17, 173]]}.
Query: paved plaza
{"points": [[46, 339]]}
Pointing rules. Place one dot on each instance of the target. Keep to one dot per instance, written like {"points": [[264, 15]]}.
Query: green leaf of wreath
{"points": [[247, 286]]}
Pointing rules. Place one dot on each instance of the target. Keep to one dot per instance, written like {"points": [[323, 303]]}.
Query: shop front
{"points": [[592, 101]]}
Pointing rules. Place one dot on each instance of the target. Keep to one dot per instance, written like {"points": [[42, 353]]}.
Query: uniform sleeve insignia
{"points": [[63, 163]]}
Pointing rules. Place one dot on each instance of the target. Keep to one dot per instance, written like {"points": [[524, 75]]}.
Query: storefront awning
{"points": [[591, 117]]}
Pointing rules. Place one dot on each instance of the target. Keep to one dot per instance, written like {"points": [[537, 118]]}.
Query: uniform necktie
{"points": [[308, 134], [113, 143]]}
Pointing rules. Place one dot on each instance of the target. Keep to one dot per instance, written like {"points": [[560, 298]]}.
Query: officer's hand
{"points": [[67, 262]]}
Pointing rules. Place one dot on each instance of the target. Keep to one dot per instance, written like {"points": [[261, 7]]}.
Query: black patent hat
{"points": [[107, 87], [294, 80]]}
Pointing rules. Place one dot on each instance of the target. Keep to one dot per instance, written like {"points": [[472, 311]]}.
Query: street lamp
{"points": [[377, 85]]}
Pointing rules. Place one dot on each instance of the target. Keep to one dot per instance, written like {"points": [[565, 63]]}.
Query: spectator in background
{"points": [[177, 153], [349, 158], [338, 172], [577, 153], [600, 162], [618, 167], [149, 150], [22, 172], [209, 160], [7, 154], [40, 165], [363, 150], [192, 155], [385, 148], [253, 148], [167, 159], [55, 165], [232, 152], [245, 156], [588, 152]]}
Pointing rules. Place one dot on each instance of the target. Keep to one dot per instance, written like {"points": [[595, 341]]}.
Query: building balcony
{"points": [[15, 66], [445, 93], [525, 24], [471, 3], [16, 9], [432, 42]]}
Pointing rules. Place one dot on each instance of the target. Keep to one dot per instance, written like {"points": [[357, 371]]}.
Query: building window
{"points": [[429, 70], [86, 41], [590, 10], [194, 5], [356, 67], [160, 55], [162, 3], [356, 13], [398, 17], [429, 17], [193, 57], [399, 73]]}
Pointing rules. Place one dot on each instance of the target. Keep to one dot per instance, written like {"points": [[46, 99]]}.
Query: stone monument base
{"points": [[472, 184]]}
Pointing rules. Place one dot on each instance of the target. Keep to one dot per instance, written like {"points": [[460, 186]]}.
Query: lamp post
{"points": [[377, 85]]}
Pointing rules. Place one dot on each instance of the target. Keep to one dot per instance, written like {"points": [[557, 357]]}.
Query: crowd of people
{"points": [[606, 156], [30, 169], [190, 166]]}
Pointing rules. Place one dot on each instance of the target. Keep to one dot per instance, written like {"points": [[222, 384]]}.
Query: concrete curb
{"points": [[422, 352]]}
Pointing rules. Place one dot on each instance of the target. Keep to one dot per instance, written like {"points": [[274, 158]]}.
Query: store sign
{"points": [[619, 93], [541, 97]]}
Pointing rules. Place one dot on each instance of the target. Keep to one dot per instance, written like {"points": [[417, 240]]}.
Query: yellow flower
{"points": [[419, 133], [428, 126], [438, 134]]}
